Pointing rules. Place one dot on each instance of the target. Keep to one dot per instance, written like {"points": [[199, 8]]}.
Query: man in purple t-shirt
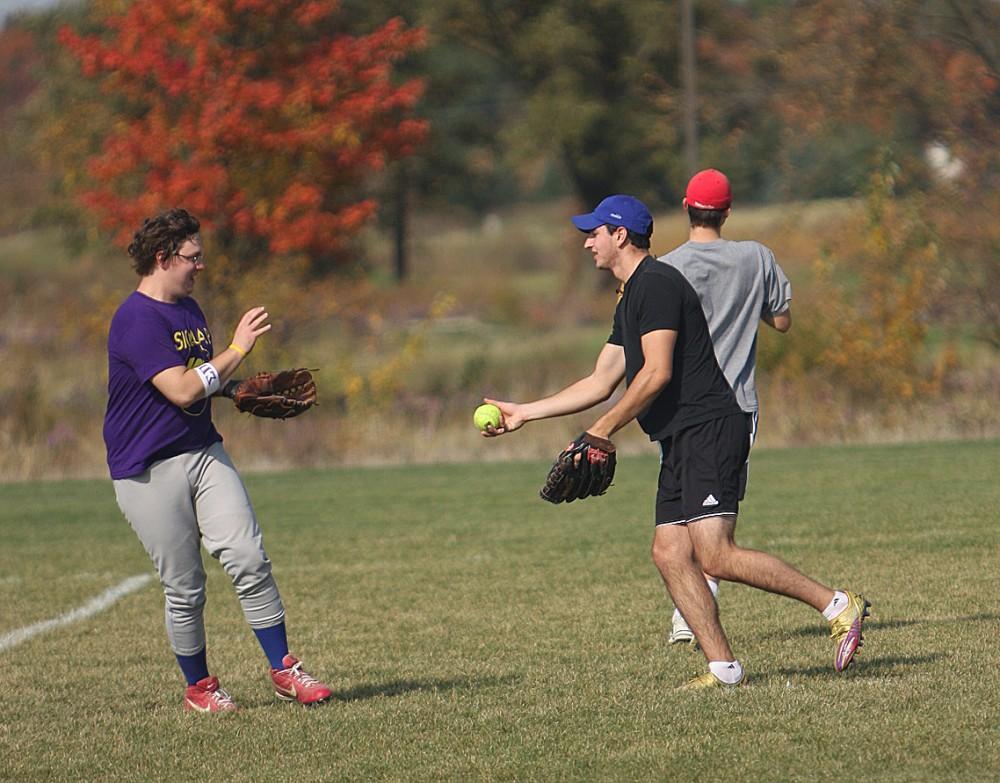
{"points": [[173, 480]]}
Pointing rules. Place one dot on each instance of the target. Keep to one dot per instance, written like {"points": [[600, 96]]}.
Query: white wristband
{"points": [[209, 377]]}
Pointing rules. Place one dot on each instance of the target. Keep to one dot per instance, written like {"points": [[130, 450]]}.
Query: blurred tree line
{"points": [[526, 100], [290, 124]]}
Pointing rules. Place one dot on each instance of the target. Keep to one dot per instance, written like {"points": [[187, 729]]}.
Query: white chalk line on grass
{"points": [[89, 609]]}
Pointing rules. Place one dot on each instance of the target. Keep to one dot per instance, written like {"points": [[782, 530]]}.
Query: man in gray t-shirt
{"points": [[739, 285]]}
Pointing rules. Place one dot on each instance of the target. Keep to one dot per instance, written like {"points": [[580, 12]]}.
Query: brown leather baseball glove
{"points": [[274, 395]]}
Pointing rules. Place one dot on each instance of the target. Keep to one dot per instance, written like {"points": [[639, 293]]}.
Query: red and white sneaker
{"points": [[206, 696], [293, 684]]}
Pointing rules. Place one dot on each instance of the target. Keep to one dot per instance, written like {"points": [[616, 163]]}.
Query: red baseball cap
{"points": [[709, 189]]}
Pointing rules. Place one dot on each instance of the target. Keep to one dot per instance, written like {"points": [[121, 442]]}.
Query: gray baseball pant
{"points": [[191, 499]]}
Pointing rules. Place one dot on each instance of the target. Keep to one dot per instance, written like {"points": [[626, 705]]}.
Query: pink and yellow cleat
{"points": [[845, 630]]}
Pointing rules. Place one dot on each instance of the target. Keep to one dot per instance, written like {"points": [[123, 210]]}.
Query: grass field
{"points": [[472, 632]]}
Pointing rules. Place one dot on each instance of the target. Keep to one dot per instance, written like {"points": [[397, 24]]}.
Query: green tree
{"points": [[586, 71]]}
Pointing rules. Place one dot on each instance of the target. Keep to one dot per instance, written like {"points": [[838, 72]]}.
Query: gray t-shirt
{"points": [[738, 284]]}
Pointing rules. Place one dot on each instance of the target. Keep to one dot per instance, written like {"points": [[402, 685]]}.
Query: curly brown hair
{"points": [[164, 233]]}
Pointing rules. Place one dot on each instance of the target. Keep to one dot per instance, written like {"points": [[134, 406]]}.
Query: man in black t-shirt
{"points": [[661, 346]]}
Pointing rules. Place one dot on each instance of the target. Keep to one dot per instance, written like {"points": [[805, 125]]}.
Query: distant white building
{"points": [[944, 165]]}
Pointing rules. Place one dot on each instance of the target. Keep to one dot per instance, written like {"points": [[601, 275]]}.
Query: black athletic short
{"points": [[703, 470]]}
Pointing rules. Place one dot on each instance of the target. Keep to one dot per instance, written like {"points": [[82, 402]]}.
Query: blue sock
{"points": [[274, 642], [194, 667]]}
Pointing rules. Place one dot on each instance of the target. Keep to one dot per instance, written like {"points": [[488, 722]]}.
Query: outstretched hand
{"points": [[511, 418]]}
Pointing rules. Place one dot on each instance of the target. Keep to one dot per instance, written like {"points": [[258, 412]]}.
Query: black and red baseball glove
{"points": [[585, 467]]}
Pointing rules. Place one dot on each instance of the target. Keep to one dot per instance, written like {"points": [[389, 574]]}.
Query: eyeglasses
{"points": [[195, 259]]}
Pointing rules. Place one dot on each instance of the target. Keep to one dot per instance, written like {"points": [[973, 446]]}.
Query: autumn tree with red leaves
{"points": [[256, 115]]}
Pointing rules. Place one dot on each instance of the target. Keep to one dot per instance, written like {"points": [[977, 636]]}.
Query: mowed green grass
{"points": [[472, 632]]}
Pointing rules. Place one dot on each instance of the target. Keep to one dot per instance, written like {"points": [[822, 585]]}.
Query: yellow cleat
{"points": [[709, 680], [845, 630]]}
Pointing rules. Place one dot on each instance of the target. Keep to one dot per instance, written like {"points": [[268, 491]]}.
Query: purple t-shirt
{"points": [[142, 426]]}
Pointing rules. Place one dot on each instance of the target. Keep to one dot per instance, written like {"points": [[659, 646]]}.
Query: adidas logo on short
{"points": [[710, 501]]}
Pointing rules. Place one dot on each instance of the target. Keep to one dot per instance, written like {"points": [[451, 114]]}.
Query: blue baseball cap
{"points": [[625, 211]]}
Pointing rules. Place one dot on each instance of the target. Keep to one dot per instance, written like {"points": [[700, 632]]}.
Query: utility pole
{"points": [[689, 81], [400, 216]]}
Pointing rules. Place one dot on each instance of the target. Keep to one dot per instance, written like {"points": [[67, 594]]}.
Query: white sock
{"points": [[837, 605], [730, 672]]}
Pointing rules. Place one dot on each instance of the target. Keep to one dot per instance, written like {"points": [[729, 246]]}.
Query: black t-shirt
{"points": [[655, 297]]}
